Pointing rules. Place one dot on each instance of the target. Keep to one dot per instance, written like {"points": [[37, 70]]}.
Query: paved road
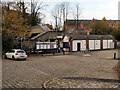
{"points": [[38, 69]]}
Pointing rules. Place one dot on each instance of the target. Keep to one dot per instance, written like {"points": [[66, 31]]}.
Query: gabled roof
{"points": [[45, 28], [36, 29], [76, 31], [74, 22], [39, 29], [38, 35], [47, 34], [85, 22]]}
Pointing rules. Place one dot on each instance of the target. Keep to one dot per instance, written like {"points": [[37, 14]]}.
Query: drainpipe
{"points": [[94, 44], [107, 43], [70, 45], [115, 43], [87, 43], [101, 41]]}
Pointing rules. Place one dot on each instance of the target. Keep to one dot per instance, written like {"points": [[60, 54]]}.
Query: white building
{"points": [[88, 42]]}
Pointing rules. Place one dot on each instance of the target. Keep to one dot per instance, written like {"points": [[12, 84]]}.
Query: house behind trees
{"points": [[85, 25]]}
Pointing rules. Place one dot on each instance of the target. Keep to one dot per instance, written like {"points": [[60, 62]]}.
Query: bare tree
{"points": [[65, 10], [36, 12], [76, 13], [56, 13], [60, 14]]}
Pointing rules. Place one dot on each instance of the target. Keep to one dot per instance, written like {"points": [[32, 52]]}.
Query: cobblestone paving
{"points": [[63, 83], [38, 69]]}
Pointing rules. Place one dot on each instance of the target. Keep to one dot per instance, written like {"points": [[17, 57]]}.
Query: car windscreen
{"points": [[12, 51], [20, 51]]}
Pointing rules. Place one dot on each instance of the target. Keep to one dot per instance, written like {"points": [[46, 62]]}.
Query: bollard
{"points": [[114, 55]]}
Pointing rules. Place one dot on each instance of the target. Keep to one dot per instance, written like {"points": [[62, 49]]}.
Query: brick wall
{"points": [[112, 24]]}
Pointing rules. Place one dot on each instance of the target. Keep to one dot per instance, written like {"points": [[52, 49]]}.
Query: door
{"points": [[78, 46], [10, 53]]}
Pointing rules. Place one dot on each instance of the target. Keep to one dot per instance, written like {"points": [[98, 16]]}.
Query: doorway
{"points": [[78, 46]]}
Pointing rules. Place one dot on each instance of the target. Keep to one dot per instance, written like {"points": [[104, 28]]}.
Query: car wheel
{"points": [[5, 57], [13, 58]]}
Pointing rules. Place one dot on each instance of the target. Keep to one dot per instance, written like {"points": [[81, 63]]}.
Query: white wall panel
{"points": [[91, 44], [104, 44], [82, 43], [97, 44], [37, 46], [110, 44], [45, 46], [74, 46]]}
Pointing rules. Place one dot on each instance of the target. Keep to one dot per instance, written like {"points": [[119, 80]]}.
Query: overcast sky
{"points": [[89, 8]]}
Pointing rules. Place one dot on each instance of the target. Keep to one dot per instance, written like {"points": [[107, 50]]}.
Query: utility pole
{"points": [[21, 42], [77, 15]]}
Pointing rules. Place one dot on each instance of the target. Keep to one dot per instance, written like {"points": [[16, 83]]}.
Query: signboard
{"points": [[46, 45], [60, 37]]}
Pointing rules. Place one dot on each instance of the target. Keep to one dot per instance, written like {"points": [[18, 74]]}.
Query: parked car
{"points": [[16, 54]]}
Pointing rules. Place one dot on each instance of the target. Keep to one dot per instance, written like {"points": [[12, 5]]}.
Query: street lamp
{"points": [[21, 42]]}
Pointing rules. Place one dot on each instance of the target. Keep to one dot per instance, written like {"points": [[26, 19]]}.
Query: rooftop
{"points": [[90, 37], [85, 22]]}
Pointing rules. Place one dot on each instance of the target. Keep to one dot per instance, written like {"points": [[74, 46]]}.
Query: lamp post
{"points": [[21, 42]]}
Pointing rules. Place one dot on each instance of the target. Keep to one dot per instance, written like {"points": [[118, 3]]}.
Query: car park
{"points": [[16, 54]]}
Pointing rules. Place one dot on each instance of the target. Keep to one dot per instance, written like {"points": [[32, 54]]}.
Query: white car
{"points": [[16, 54]]}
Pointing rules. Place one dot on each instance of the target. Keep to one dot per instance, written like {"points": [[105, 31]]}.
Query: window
{"points": [[96, 42], [12, 51], [65, 44], [20, 52]]}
